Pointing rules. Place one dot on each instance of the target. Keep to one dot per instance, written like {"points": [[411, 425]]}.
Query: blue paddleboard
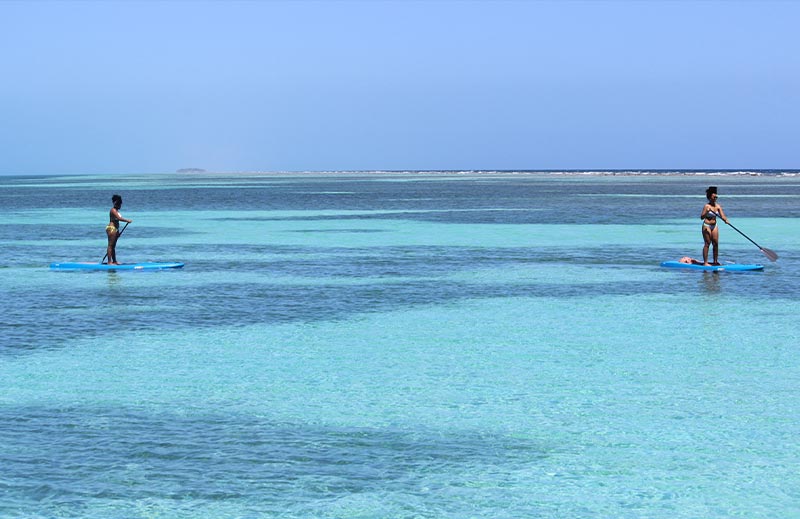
{"points": [[123, 266], [734, 267]]}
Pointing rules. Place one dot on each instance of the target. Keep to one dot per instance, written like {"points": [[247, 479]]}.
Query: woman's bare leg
{"points": [[112, 247], [715, 244], [706, 243]]}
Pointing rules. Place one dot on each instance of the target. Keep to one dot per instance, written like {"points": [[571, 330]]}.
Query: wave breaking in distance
{"points": [[562, 172]]}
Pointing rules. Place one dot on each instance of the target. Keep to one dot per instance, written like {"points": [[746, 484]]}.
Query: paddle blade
{"points": [[770, 254]]}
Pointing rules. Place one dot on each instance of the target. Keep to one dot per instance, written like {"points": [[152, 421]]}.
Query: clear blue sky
{"points": [[153, 86]]}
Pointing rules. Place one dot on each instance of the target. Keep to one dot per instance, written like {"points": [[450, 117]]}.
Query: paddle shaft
{"points": [[767, 252], [118, 235], [743, 234]]}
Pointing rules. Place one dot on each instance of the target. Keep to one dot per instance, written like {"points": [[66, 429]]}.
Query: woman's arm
{"points": [[722, 213], [119, 216]]}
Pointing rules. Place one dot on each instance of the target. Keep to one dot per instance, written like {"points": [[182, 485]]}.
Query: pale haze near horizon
{"points": [[152, 87]]}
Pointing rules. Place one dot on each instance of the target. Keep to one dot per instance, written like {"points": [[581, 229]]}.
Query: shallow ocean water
{"points": [[398, 345]]}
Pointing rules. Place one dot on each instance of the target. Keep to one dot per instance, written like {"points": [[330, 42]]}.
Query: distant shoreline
{"points": [[563, 172], [771, 173]]}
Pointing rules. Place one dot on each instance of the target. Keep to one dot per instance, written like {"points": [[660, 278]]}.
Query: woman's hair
{"points": [[712, 190], [116, 198]]}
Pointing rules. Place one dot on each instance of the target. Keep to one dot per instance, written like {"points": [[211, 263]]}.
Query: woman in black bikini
{"points": [[710, 212], [112, 229]]}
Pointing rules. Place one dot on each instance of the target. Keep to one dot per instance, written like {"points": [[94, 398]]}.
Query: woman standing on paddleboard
{"points": [[711, 211], [112, 229]]}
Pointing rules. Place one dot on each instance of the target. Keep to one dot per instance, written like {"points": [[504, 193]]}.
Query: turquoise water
{"points": [[398, 345]]}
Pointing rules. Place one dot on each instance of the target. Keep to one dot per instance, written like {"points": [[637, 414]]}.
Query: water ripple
{"points": [[107, 455]]}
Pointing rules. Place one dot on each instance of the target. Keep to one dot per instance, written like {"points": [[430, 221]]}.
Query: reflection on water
{"points": [[114, 279], [710, 282]]}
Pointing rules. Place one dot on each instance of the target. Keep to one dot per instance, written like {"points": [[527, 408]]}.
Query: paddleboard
{"points": [[123, 266], [732, 267]]}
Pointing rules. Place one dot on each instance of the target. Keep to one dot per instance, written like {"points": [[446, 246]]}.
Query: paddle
{"points": [[118, 235], [767, 252]]}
